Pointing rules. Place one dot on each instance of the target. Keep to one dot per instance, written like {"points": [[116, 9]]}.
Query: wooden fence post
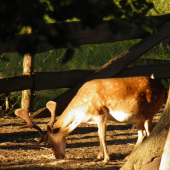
{"points": [[27, 95], [28, 69]]}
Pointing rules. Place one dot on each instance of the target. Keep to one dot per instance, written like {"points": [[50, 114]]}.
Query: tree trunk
{"points": [[165, 161], [153, 146]]}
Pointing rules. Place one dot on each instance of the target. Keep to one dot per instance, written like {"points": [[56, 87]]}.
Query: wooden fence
{"points": [[74, 79]]}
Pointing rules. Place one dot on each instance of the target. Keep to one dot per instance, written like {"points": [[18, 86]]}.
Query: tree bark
{"points": [[153, 146], [165, 161]]}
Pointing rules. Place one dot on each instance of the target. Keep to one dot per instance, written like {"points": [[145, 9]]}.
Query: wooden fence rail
{"points": [[68, 79]]}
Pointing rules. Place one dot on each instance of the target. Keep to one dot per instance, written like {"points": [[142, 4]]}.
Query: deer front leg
{"points": [[100, 155], [102, 136]]}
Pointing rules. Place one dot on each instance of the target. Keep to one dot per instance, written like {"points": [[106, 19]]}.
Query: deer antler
{"points": [[51, 106], [23, 113]]}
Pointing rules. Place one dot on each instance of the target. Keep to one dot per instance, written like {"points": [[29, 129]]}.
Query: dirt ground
{"points": [[81, 152]]}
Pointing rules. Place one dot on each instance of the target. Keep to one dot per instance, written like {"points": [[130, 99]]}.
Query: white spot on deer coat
{"points": [[85, 100]]}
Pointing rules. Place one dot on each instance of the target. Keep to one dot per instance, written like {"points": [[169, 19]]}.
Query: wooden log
{"points": [[112, 68], [158, 70], [62, 79], [43, 81], [68, 79], [17, 83], [102, 34]]}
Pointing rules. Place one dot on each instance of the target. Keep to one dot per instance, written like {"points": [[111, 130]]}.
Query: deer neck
{"points": [[66, 123]]}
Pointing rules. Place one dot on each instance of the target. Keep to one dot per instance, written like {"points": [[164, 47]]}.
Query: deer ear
{"points": [[49, 129]]}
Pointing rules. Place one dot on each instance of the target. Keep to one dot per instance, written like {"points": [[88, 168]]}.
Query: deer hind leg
{"points": [[148, 126], [141, 136], [102, 136]]}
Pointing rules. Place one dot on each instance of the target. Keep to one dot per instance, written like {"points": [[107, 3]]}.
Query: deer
{"points": [[131, 100]]}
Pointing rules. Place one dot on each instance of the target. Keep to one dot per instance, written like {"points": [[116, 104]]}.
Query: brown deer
{"points": [[126, 100]]}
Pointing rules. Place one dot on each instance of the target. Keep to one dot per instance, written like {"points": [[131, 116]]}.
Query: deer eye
{"points": [[49, 144]]}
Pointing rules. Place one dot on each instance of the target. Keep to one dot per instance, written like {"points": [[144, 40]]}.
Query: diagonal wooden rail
{"points": [[112, 68]]}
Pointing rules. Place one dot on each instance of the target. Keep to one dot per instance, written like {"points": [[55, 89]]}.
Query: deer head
{"points": [[58, 147]]}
